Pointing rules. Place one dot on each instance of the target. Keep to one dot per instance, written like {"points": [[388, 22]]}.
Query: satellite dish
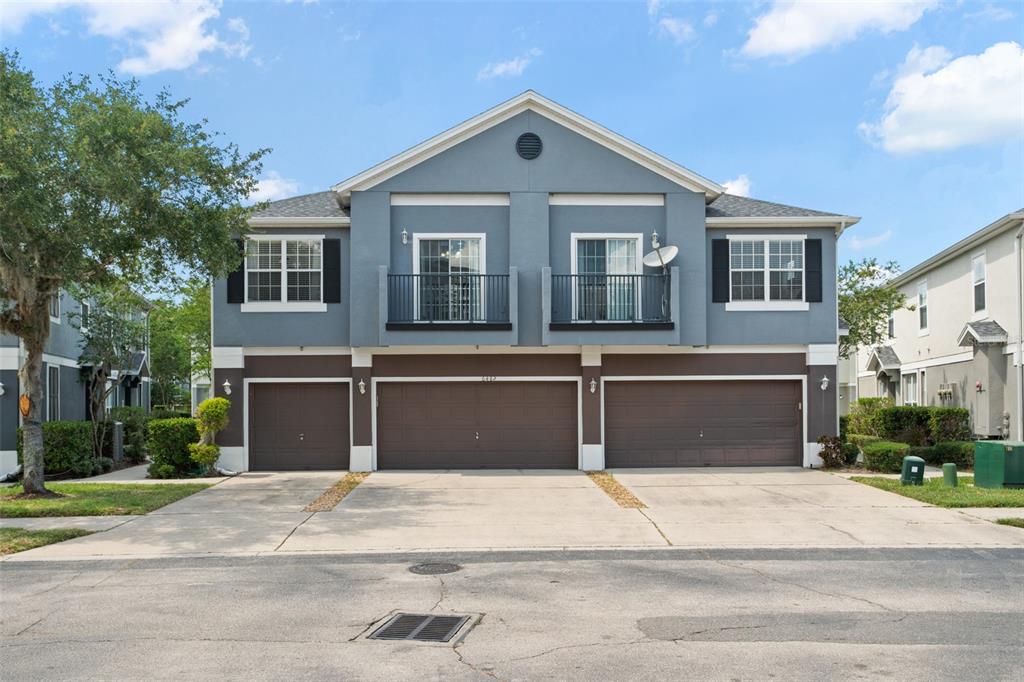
{"points": [[661, 257]]}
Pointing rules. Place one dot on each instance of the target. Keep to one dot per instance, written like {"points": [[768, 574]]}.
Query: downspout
{"points": [[1019, 253]]}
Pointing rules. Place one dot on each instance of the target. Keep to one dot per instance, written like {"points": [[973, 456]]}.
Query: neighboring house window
{"points": [[52, 392], [777, 262], [449, 287], [83, 323], [883, 387], [55, 307], [295, 277], [892, 326], [607, 288], [923, 388], [910, 389], [922, 306], [978, 277]]}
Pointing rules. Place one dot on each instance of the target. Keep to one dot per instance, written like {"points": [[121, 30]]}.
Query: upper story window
{"points": [[283, 271], [83, 322], [892, 326], [54, 305], [448, 269], [978, 282], [605, 268], [922, 307], [766, 269]]}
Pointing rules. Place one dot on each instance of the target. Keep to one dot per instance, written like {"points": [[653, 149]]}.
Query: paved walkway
{"points": [[137, 474], [260, 513], [93, 523]]}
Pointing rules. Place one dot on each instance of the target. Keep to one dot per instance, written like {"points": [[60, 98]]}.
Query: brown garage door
{"points": [[298, 426], [474, 425], [702, 423]]}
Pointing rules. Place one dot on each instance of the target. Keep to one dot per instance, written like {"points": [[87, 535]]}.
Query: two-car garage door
{"points": [[702, 423]]}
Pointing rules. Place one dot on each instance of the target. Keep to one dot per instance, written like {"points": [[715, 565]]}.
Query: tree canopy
{"points": [[866, 300]]}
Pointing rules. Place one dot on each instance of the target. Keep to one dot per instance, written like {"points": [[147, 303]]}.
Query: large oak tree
{"points": [[98, 184]]}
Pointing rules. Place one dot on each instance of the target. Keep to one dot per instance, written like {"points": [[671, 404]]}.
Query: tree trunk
{"points": [[30, 377]]}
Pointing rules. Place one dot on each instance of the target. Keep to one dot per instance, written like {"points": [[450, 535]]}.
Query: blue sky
{"points": [[910, 115]]}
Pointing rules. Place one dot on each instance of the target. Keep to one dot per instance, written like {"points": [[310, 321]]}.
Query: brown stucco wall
{"points": [[821, 405], [298, 366], [560, 364], [233, 435], [591, 407], [728, 364]]}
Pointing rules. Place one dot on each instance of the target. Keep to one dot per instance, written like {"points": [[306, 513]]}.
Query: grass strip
{"points": [[622, 495], [19, 539], [337, 492], [1016, 523], [93, 499], [935, 492]]}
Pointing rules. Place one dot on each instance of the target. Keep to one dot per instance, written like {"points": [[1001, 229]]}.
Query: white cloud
{"points": [[653, 7], [794, 29], [858, 244], [990, 12], [679, 30], [937, 103], [166, 34], [272, 186], [740, 185], [710, 19], [510, 68]]}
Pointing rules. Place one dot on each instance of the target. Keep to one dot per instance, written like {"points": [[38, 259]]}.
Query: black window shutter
{"points": [[719, 270], [236, 280], [332, 271], [812, 265]]}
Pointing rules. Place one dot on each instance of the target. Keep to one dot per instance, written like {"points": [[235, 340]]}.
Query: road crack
{"points": [[663, 536]]}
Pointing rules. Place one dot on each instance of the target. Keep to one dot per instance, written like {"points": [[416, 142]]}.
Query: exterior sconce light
{"points": [[593, 385], [227, 387], [2, 389], [977, 386], [362, 387], [655, 243], [405, 236], [824, 383]]}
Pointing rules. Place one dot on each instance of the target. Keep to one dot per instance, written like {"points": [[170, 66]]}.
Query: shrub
{"points": [[212, 416], [850, 452], [861, 417], [844, 427], [885, 456], [68, 448], [831, 452], [206, 455], [960, 453], [859, 440], [903, 424], [134, 420], [168, 442], [167, 413], [949, 424], [926, 452]]}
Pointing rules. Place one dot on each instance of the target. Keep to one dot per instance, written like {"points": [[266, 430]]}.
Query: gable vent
{"points": [[529, 145]]}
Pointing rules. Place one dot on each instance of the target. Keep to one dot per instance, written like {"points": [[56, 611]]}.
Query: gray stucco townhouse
{"points": [[482, 300]]}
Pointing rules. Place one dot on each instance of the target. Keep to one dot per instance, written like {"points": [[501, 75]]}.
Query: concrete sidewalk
{"points": [[261, 513], [93, 523]]}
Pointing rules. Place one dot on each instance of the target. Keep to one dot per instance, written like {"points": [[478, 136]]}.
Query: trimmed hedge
{"points": [[960, 453], [904, 424], [859, 440], [68, 449], [947, 424], [168, 443], [885, 456], [844, 427], [135, 420], [850, 452]]}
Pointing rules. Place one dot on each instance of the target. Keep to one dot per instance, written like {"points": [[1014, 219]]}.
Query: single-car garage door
{"points": [[702, 423], [298, 426], [475, 425]]}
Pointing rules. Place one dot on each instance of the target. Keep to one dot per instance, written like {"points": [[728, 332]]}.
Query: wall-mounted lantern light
{"points": [[227, 387], [362, 387], [2, 389], [655, 243], [593, 385], [405, 236], [824, 383]]}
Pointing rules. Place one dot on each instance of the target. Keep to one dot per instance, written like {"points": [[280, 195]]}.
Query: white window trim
{"points": [[417, 237], [910, 397], [60, 309], [923, 331], [285, 306], [983, 313], [49, 393], [768, 305], [638, 237]]}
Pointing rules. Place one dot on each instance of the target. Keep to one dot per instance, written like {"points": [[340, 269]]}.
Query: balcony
{"points": [[609, 302], [448, 302]]}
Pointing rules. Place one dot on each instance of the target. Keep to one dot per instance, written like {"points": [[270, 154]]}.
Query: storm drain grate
{"points": [[434, 568], [420, 628]]}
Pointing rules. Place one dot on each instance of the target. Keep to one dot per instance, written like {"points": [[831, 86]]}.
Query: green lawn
{"points": [[1016, 523], [18, 539], [934, 492], [94, 499]]}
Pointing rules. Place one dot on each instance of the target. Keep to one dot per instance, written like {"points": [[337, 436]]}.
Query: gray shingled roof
{"points": [[983, 331], [886, 356], [732, 206], [315, 205]]}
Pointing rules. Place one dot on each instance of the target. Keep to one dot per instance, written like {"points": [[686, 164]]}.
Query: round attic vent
{"points": [[528, 146]]}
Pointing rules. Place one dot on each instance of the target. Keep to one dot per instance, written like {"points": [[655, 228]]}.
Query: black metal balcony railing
{"points": [[623, 299], [448, 299]]}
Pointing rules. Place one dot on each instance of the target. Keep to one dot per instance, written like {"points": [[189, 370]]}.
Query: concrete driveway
{"points": [[261, 513]]}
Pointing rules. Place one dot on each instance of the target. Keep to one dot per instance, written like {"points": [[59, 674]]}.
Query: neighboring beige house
{"points": [[961, 346]]}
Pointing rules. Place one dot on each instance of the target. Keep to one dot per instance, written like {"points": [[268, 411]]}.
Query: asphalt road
{"points": [[922, 614]]}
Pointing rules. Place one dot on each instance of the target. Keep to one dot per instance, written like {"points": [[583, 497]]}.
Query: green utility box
{"points": [[999, 464], [913, 471]]}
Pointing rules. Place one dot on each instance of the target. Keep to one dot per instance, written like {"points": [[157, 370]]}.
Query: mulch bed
{"points": [[337, 492], [615, 490]]}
